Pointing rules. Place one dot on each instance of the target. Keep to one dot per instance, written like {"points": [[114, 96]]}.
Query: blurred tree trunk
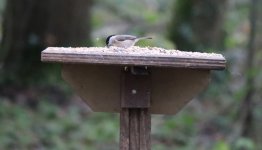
{"points": [[258, 92], [248, 102], [31, 25], [198, 24]]}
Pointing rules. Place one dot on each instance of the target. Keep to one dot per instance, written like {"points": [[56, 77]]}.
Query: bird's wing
{"points": [[125, 37]]}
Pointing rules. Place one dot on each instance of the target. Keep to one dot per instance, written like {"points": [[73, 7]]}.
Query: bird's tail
{"points": [[146, 37]]}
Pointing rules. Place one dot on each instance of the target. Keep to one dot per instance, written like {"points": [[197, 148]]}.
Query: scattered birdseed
{"points": [[135, 51]]}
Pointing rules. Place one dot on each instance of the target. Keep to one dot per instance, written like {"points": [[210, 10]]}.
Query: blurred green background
{"points": [[39, 111]]}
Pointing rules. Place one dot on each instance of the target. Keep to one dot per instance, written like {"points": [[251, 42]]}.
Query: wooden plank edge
{"points": [[186, 63]]}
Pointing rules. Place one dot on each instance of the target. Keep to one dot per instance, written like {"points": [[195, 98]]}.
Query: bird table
{"points": [[135, 82]]}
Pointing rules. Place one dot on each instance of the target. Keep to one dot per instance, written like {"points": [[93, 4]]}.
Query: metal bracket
{"points": [[135, 89]]}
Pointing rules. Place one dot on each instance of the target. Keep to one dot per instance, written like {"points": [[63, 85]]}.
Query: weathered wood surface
{"points": [[134, 134], [124, 129], [145, 129], [134, 56], [135, 127], [135, 119], [99, 86], [135, 90]]}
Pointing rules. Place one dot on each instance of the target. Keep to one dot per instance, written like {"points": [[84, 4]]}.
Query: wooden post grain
{"points": [[135, 118], [124, 129], [145, 128], [135, 127]]}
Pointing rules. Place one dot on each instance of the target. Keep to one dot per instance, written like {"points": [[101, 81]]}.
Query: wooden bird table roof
{"points": [[95, 74]]}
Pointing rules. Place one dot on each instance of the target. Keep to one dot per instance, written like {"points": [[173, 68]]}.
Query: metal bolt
{"points": [[134, 91]]}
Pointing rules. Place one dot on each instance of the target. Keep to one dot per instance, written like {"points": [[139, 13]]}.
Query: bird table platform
{"points": [[136, 82]]}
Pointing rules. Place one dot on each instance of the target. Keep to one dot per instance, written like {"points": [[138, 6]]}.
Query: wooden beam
{"points": [[145, 129], [124, 129], [135, 90], [135, 118], [135, 127]]}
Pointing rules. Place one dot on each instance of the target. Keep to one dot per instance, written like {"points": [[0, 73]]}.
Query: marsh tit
{"points": [[123, 41]]}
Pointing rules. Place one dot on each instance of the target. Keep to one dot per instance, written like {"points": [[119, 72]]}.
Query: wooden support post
{"points": [[135, 127], [135, 117]]}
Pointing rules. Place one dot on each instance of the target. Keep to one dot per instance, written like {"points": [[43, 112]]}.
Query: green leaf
{"points": [[221, 145], [245, 143]]}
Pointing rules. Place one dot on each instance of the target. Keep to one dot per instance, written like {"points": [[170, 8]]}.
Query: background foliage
{"points": [[39, 111]]}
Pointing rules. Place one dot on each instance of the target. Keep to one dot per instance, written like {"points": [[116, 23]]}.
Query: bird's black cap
{"points": [[107, 39]]}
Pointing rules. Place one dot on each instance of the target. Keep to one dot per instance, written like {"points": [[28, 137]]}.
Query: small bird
{"points": [[123, 41]]}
